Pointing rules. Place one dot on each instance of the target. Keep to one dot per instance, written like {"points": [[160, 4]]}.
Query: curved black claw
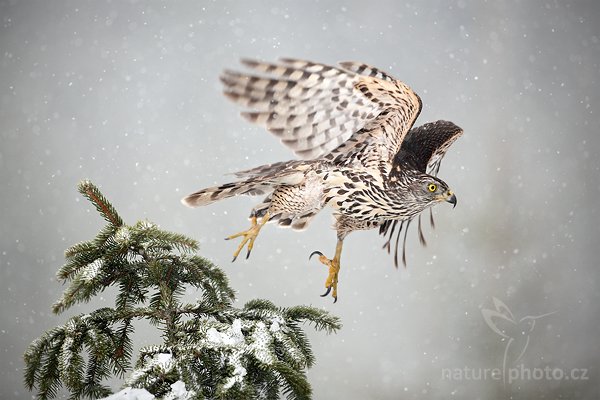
{"points": [[327, 292], [313, 253], [234, 258]]}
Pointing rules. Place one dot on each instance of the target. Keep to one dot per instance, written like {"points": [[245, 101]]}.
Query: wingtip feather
{"points": [[249, 62], [347, 64]]}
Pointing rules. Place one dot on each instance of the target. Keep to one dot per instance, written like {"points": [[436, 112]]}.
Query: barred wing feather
{"points": [[315, 108]]}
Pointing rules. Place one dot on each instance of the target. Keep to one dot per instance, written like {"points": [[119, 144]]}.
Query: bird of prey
{"points": [[350, 126]]}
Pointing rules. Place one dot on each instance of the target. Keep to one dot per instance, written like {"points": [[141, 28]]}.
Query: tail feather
{"points": [[271, 169], [210, 195], [259, 180]]}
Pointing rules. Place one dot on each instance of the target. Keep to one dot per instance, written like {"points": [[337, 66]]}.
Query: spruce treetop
{"points": [[209, 348]]}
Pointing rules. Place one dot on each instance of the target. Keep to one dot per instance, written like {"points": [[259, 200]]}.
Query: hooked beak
{"points": [[451, 198]]}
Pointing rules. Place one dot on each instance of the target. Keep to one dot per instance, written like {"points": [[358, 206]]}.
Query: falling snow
{"points": [[127, 94]]}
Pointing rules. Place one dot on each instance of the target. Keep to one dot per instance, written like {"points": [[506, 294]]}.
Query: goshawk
{"points": [[351, 128]]}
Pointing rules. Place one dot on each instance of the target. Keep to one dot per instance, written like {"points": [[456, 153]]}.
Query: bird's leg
{"points": [[334, 269], [249, 236]]}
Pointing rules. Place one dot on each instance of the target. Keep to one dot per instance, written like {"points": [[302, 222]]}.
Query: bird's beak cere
{"points": [[451, 198]]}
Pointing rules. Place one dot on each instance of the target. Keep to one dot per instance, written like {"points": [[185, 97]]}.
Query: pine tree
{"points": [[211, 347]]}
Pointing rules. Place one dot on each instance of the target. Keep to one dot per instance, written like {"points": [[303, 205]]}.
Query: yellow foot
{"points": [[332, 279], [249, 236]]}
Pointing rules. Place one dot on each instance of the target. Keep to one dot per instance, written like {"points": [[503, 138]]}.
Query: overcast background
{"points": [[127, 95]]}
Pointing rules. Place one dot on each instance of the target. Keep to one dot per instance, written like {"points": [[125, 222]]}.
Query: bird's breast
{"points": [[360, 195]]}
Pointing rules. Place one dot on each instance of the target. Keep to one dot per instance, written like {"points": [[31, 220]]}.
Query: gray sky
{"points": [[127, 94]]}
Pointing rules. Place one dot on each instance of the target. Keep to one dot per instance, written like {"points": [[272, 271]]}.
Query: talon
{"points": [[333, 265], [327, 292], [248, 236]]}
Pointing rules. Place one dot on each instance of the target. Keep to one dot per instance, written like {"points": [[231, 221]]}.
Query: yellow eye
{"points": [[432, 187]]}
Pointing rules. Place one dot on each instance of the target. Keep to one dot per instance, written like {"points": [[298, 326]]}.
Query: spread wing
{"points": [[315, 109], [425, 146], [422, 149]]}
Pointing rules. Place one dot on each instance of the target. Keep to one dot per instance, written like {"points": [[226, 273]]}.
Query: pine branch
{"points": [[321, 319], [298, 337], [70, 362], [155, 239], [91, 192], [201, 273], [37, 355], [124, 347], [78, 257], [294, 382]]}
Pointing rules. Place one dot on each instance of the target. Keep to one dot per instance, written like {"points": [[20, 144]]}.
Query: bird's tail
{"points": [[209, 195], [260, 180]]}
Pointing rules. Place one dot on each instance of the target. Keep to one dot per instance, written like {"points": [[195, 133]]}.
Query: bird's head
{"points": [[428, 190]]}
